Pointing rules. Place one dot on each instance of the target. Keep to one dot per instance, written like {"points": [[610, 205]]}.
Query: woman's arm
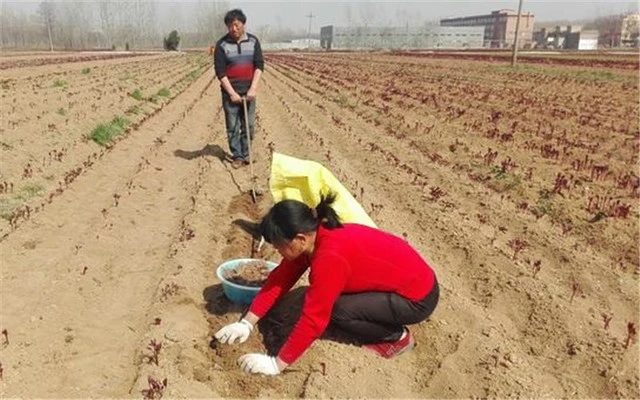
{"points": [[279, 282]]}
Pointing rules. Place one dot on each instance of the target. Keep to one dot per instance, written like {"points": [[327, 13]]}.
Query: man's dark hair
{"points": [[233, 15]]}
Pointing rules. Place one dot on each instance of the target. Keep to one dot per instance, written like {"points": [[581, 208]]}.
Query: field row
{"points": [[79, 114], [574, 170]]}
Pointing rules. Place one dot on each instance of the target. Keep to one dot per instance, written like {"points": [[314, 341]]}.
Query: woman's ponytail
{"points": [[326, 214]]}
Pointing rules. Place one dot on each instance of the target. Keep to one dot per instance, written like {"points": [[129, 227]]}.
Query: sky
{"points": [[293, 14]]}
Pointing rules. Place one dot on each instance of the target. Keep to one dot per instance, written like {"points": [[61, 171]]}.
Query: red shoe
{"points": [[393, 349]]}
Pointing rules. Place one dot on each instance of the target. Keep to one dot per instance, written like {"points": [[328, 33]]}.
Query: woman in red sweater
{"points": [[366, 282]]}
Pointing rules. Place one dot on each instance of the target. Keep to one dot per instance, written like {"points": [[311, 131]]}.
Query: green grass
{"points": [[137, 94], [104, 134], [542, 208], [503, 181], [10, 204], [61, 111], [86, 71], [7, 207], [343, 100], [135, 110], [193, 75], [30, 190], [164, 92], [59, 83]]}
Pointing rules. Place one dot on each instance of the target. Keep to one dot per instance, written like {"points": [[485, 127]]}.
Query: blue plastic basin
{"points": [[235, 292]]}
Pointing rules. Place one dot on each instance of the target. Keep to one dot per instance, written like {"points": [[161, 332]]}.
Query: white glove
{"points": [[259, 364], [238, 330]]}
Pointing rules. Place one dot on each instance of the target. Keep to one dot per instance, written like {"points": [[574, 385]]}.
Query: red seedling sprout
{"points": [[6, 337], [536, 267], [323, 368], [490, 156], [517, 245], [155, 348], [84, 270], [561, 183], [575, 288], [156, 389], [1, 371], [435, 193], [606, 318], [169, 290], [157, 321], [631, 333]]}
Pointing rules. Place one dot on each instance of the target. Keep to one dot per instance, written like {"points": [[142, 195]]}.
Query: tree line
{"points": [[103, 25]]}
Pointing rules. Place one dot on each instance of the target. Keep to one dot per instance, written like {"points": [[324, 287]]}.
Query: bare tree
{"points": [[149, 32], [608, 28], [367, 12], [209, 23], [74, 23], [107, 19], [349, 14], [9, 26], [47, 13]]}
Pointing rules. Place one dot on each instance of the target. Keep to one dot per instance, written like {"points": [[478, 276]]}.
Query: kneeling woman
{"points": [[367, 282]]}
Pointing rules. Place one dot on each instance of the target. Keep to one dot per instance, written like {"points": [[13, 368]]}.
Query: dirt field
{"points": [[520, 187]]}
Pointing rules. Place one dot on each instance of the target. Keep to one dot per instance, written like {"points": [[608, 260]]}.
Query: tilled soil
{"points": [[92, 281]]}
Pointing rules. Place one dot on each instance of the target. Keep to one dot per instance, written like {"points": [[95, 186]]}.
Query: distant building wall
{"points": [[582, 40], [630, 30], [499, 27], [296, 44], [354, 38], [567, 37]]}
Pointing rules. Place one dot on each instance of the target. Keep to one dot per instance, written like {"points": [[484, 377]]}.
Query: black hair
{"points": [[287, 218], [235, 14]]}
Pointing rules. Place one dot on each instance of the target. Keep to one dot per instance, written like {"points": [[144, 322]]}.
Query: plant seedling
{"points": [[155, 348], [156, 389], [575, 289], [6, 337], [631, 333], [606, 318], [436, 193], [169, 290], [517, 245], [536, 267]]}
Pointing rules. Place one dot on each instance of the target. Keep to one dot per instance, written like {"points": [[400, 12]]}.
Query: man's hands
{"points": [[238, 330], [259, 364], [235, 98], [251, 94]]}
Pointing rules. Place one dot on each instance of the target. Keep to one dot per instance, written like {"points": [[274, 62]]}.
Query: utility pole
{"points": [[310, 16], [515, 42]]}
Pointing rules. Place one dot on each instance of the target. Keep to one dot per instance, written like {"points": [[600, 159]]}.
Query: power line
{"points": [[514, 56], [310, 16]]}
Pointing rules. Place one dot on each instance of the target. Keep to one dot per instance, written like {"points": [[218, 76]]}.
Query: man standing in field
{"points": [[238, 65]]}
